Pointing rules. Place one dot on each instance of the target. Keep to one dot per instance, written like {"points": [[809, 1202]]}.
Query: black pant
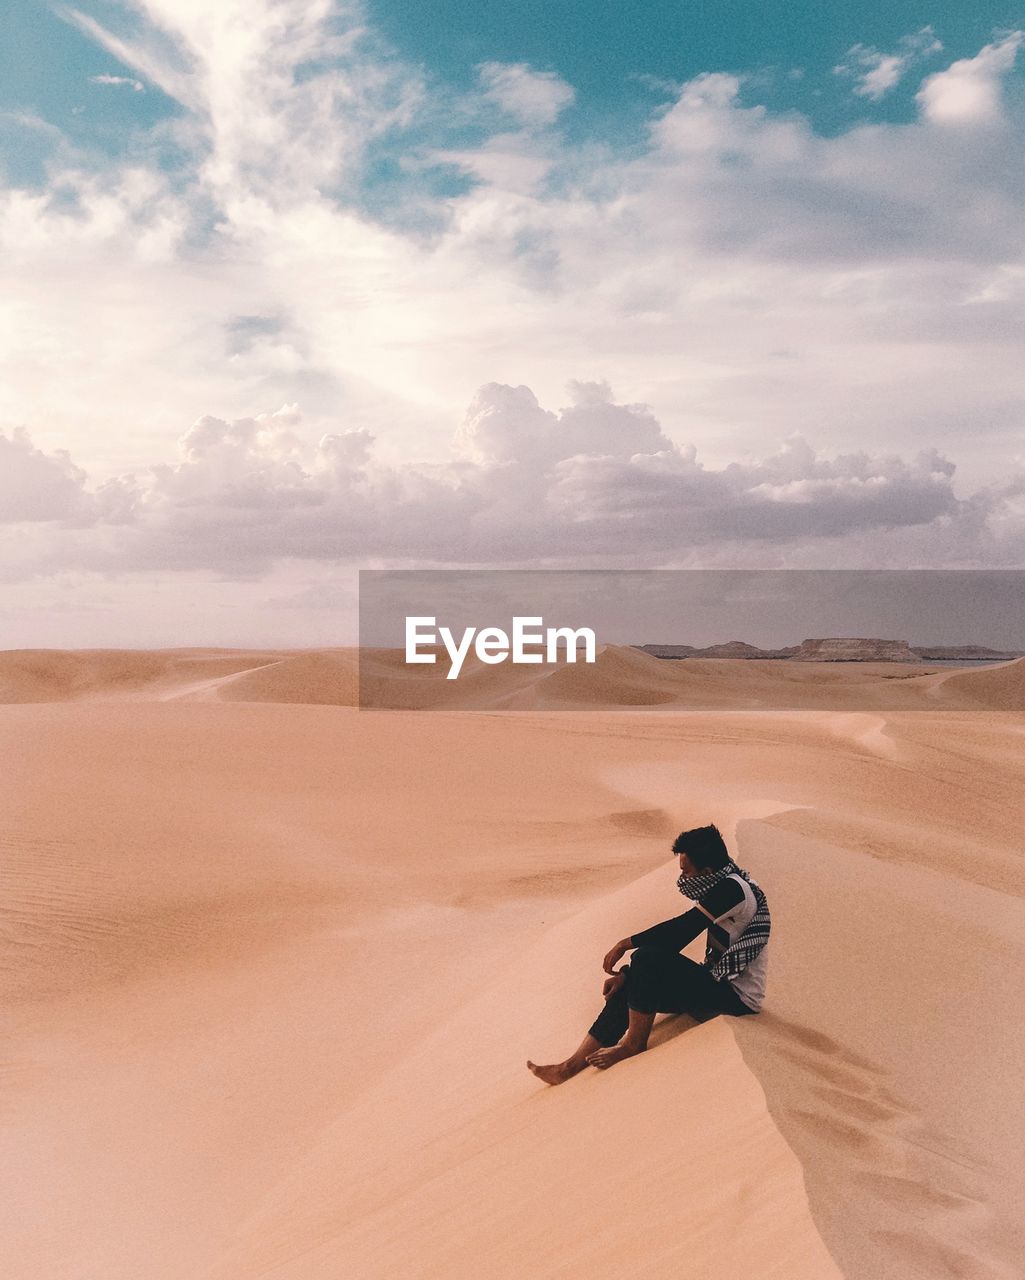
{"points": [[663, 981]]}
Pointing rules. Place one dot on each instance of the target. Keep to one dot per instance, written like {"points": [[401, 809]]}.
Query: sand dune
{"points": [[654, 1176], [999, 688], [621, 677], [274, 965], [57, 675], [326, 679]]}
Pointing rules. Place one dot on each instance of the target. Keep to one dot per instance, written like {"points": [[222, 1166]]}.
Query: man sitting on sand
{"points": [[659, 980]]}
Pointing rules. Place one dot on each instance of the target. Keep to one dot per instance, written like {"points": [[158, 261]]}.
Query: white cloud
{"points": [[883, 76], [506, 424], [597, 483], [508, 162], [534, 98], [968, 92], [147, 54], [875, 73], [38, 486], [136, 85], [736, 271], [282, 94]]}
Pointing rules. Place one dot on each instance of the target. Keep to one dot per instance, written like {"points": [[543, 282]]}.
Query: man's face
{"points": [[687, 867]]}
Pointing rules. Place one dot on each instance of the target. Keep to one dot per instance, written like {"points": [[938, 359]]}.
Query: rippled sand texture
{"points": [[273, 966]]}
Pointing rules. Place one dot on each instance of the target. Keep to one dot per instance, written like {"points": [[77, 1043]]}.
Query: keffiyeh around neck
{"points": [[694, 886], [739, 954]]}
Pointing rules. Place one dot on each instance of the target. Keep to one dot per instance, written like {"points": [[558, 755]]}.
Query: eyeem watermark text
{"points": [[530, 642]]}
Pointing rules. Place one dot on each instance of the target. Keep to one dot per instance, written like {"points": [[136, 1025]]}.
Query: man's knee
{"points": [[647, 971], [646, 959], [646, 983]]}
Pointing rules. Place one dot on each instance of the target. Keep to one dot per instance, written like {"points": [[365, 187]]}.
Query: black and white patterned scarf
{"points": [[739, 954]]}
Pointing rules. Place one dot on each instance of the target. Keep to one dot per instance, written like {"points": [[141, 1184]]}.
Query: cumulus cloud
{"points": [[968, 92], [506, 424], [792, 495], [876, 73], [36, 485], [597, 482], [534, 98]]}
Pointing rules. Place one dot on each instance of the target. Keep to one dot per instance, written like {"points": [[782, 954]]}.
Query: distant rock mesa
{"points": [[855, 649]]}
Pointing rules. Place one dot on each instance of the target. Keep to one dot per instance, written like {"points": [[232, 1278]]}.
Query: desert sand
{"points": [[274, 964]]}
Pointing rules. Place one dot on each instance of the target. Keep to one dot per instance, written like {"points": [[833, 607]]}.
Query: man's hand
{"points": [[616, 954], [612, 985]]}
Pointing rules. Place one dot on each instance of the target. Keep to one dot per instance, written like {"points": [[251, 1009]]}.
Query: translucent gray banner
{"points": [[769, 639]]}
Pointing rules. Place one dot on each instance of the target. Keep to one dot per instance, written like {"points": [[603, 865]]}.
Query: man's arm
{"points": [[675, 934]]}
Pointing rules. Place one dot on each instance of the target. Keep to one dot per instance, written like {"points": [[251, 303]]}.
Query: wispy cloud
{"points": [[530, 97], [875, 73], [126, 81], [150, 55]]}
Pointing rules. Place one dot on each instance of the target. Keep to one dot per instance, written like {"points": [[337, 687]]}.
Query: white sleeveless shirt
{"points": [[750, 983]]}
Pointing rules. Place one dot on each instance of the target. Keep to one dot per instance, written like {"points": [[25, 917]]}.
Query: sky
{"points": [[293, 287]]}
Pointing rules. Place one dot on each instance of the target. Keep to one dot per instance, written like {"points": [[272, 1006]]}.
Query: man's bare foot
{"points": [[609, 1057], [556, 1072]]}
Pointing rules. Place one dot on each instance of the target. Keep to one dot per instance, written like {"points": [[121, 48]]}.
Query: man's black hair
{"points": [[704, 846]]}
